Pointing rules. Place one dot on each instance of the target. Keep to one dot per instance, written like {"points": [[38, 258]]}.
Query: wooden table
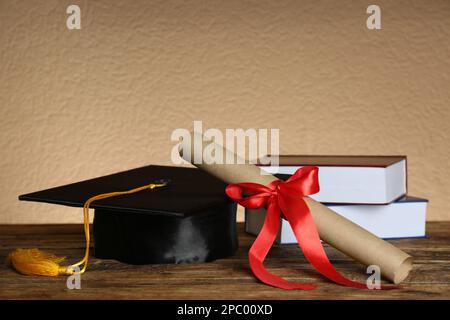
{"points": [[223, 279]]}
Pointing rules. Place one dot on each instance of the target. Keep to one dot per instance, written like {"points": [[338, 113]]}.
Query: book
{"points": [[350, 179], [404, 218]]}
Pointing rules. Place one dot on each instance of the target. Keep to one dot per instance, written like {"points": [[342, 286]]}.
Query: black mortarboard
{"points": [[189, 220]]}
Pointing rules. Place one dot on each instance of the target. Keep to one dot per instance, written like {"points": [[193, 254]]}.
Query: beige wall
{"points": [[80, 104]]}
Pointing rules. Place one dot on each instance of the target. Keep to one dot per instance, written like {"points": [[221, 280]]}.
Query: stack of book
{"points": [[371, 191]]}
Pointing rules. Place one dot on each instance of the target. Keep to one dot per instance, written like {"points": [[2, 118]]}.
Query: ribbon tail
{"points": [[261, 247], [299, 217]]}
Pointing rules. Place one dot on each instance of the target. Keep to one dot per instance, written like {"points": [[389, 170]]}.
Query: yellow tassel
{"points": [[34, 262]]}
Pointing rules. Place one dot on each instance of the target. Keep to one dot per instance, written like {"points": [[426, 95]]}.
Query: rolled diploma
{"points": [[338, 232]]}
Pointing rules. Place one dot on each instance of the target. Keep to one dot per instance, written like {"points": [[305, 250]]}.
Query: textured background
{"points": [[80, 104]]}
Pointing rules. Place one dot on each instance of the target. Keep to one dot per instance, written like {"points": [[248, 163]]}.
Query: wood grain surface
{"points": [[228, 278]]}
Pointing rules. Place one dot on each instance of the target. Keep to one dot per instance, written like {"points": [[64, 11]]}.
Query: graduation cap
{"points": [[153, 214]]}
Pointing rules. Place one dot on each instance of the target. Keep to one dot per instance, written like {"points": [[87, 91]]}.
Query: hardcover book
{"points": [[404, 218], [350, 179]]}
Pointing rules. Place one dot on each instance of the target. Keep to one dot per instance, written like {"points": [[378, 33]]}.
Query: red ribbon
{"points": [[288, 196]]}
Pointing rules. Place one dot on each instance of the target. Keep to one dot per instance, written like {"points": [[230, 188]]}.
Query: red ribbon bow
{"points": [[287, 196]]}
